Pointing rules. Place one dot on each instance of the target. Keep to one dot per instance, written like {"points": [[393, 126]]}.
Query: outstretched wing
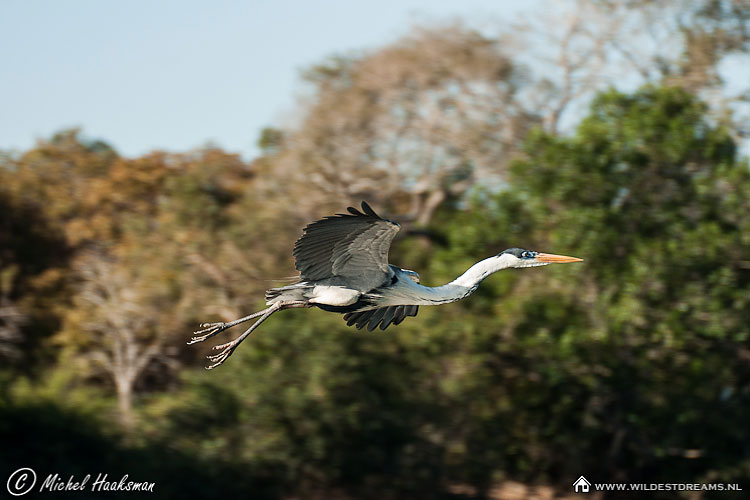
{"points": [[384, 316], [351, 246]]}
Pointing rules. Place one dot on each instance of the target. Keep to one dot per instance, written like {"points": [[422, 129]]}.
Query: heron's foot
{"points": [[208, 331], [226, 351]]}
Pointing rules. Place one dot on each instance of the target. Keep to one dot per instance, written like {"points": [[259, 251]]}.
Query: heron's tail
{"points": [[286, 293]]}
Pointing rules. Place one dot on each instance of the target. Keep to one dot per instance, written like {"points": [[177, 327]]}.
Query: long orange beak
{"points": [[556, 259]]}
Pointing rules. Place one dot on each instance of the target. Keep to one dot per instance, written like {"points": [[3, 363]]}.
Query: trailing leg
{"points": [[228, 348], [211, 329]]}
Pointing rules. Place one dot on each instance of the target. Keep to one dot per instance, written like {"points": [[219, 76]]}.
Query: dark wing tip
{"points": [[368, 210]]}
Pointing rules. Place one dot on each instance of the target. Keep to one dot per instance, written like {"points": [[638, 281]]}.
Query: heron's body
{"points": [[343, 265], [398, 288]]}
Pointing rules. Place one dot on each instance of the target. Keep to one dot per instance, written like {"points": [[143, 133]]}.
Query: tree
{"points": [[117, 324], [11, 321], [418, 122], [581, 47], [650, 193], [141, 231], [32, 253]]}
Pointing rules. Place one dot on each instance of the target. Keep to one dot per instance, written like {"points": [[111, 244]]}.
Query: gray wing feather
{"points": [[404, 312], [353, 246], [376, 319], [388, 317]]}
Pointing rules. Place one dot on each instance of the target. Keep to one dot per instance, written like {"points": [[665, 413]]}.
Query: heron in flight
{"points": [[343, 266]]}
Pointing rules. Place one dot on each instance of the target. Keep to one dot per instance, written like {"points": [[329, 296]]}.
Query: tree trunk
{"points": [[125, 402]]}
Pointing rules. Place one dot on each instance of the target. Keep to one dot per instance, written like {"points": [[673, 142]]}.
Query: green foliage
{"points": [[68, 443], [643, 191], [631, 366]]}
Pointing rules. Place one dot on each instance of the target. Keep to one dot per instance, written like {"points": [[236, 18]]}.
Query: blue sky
{"points": [[174, 75]]}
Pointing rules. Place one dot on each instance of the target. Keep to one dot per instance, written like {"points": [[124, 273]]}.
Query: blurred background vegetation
{"points": [[632, 367]]}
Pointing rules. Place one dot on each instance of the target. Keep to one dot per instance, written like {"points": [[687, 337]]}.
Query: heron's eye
{"points": [[527, 254]]}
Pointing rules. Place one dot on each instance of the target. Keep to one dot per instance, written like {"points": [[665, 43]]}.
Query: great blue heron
{"points": [[343, 265]]}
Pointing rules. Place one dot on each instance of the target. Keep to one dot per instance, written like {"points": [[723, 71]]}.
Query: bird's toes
{"points": [[224, 353], [214, 362], [200, 338], [217, 359], [223, 346], [214, 365], [209, 328], [214, 357]]}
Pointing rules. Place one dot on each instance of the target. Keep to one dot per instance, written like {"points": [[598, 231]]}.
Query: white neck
{"points": [[408, 292], [465, 284], [479, 271]]}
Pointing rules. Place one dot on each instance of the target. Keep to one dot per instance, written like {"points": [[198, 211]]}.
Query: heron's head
{"points": [[519, 257]]}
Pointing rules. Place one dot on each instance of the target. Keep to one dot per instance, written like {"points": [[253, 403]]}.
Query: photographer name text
{"points": [[101, 483]]}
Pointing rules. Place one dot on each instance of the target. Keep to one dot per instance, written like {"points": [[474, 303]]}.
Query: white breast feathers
{"points": [[333, 295]]}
